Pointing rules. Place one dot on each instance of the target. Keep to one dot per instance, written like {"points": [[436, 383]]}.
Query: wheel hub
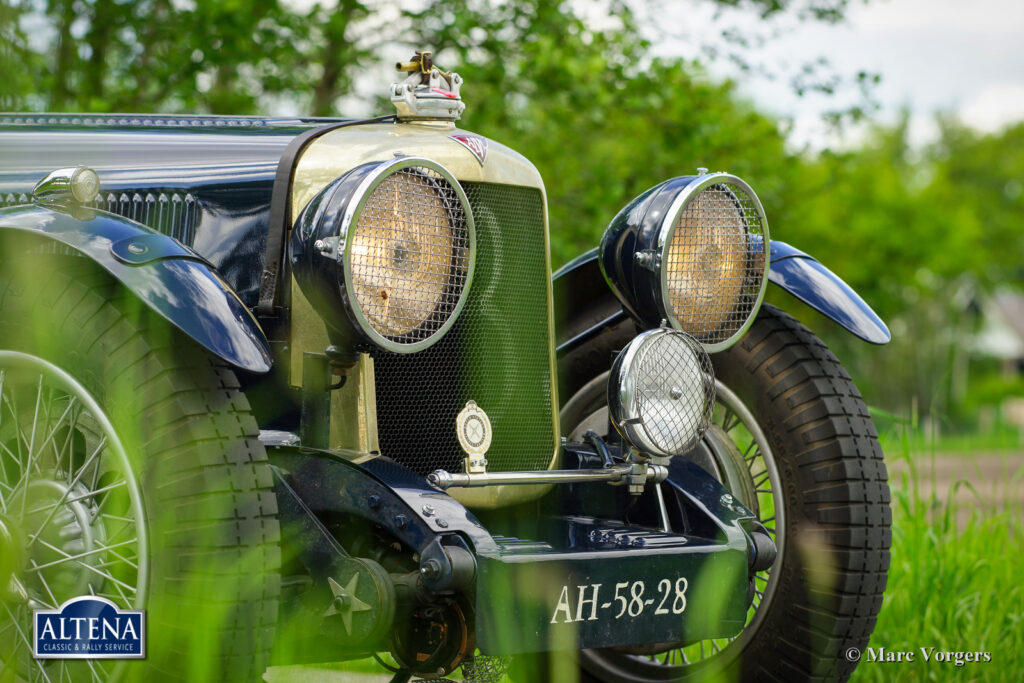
{"points": [[63, 522]]}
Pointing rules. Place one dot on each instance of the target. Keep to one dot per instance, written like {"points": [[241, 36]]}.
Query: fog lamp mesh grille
{"points": [[675, 391], [410, 255], [715, 263]]}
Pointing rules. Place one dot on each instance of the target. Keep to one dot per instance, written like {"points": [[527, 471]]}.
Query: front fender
{"points": [[793, 270], [171, 279], [812, 283]]}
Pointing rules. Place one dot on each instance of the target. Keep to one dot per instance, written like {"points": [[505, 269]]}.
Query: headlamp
{"points": [[691, 251], [661, 392], [386, 252]]}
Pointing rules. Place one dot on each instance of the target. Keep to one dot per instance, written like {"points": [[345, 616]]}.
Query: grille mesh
{"points": [[497, 353], [410, 255], [171, 212], [715, 263]]}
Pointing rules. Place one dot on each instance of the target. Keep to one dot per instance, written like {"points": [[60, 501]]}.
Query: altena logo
{"points": [[89, 628]]}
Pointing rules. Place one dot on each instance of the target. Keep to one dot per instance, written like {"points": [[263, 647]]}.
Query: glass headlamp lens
{"points": [[714, 263], [409, 257], [661, 392]]}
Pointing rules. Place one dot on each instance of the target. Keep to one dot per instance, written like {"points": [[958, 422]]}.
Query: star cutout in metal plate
{"points": [[345, 601]]}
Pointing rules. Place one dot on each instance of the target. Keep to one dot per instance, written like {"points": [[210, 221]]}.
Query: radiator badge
{"points": [[474, 431], [474, 143]]}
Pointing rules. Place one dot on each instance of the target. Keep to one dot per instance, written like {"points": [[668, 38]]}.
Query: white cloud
{"points": [[933, 55], [994, 106], [997, 17]]}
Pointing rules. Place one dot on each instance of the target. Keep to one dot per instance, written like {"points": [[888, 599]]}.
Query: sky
{"points": [[933, 55]]}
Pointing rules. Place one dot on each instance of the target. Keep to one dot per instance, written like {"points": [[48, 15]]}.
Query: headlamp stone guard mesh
{"points": [[714, 266], [659, 369], [409, 254]]}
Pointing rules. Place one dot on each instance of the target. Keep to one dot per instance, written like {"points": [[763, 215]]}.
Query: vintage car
{"points": [[307, 390]]}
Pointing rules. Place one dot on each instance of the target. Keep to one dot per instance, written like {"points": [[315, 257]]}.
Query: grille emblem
{"points": [[474, 431], [474, 143]]}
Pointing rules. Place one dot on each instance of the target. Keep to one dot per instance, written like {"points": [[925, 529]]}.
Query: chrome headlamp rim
{"points": [[624, 399], [664, 241], [350, 218]]}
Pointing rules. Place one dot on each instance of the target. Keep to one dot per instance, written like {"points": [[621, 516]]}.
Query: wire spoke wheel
{"points": [[748, 470], [72, 522], [757, 484], [792, 438]]}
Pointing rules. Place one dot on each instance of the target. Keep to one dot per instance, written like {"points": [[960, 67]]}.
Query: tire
{"points": [[832, 483], [209, 564]]}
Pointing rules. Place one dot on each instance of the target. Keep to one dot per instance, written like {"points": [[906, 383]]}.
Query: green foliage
{"points": [[600, 119], [920, 233]]}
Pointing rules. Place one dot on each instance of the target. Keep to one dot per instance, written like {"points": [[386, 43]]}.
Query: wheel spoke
{"points": [[752, 446], [99, 508], [93, 665], [35, 417], [67, 490], [25, 640], [90, 567], [13, 457], [53, 432], [88, 553], [75, 499], [125, 560], [121, 530], [46, 586]]}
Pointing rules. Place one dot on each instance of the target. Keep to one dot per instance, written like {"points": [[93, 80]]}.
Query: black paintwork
{"points": [[179, 284], [519, 579], [320, 275], [281, 217], [227, 164], [636, 228], [810, 281], [791, 269]]}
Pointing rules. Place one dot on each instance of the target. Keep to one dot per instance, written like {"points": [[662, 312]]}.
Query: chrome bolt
{"points": [[430, 569], [443, 524], [428, 510], [701, 170], [675, 393], [321, 246]]}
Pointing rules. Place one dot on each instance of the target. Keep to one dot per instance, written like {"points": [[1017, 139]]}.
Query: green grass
{"points": [[954, 584]]}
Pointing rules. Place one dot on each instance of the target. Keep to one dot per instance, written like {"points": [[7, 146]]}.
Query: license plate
{"points": [[610, 598], [629, 600]]}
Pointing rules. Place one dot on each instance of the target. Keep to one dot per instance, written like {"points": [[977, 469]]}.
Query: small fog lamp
{"points": [[661, 392]]}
